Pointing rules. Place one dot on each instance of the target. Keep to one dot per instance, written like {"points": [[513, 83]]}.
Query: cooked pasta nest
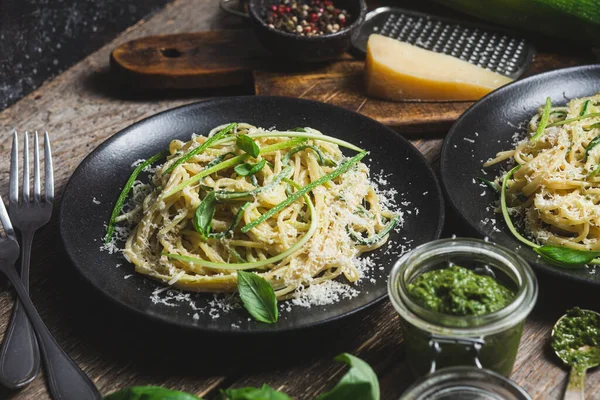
{"points": [[314, 239], [556, 189]]}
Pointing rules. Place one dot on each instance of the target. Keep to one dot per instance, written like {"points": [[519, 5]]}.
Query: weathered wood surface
{"points": [[81, 108], [342, 84], [234, 57], [190, 60]]}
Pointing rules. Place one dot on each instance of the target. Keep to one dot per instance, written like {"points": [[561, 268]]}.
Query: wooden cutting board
{"points": [[234, 58]]}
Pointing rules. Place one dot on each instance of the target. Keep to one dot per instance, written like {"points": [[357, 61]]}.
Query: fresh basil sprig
{"points": [[205, 213], [258, 297], [565, 257], [250, 393], [150, 393], [247, 169], [359, 383], [247, 144]]}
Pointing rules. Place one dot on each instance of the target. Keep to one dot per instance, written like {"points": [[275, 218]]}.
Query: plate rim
{"points": [[454, 130], [200, 328]]}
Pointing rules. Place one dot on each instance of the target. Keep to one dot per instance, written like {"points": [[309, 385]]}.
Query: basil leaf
{"points": [[150, 393], [264, 393], [247, 169], [566, 258], [258, 297], [490, 184], [205, 213], [248, 145], [359, 383]]}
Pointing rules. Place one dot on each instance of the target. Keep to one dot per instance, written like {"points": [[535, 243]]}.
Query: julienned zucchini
{"points": [[573, 19]]}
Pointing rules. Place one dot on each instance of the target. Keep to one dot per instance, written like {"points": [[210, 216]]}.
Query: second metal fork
{"points": [[20, 356], [66, 381]]}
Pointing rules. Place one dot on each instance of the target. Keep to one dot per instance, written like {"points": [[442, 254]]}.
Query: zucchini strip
{"points": [[368, 241], [230, 163], [110, 229], [285, 173], [302, 191], [234, 224], [209, 142], [323, 160], [305, 135], [258, 264], [566, 121], [543, 120], [505, 214]]}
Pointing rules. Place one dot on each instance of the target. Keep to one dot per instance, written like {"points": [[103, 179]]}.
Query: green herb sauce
{"points": [[576, 338], [459, 291]]}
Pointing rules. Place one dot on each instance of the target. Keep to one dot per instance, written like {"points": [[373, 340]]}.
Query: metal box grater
{"points": [[488, 47]]}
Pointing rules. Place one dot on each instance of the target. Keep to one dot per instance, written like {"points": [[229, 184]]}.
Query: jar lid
{"points": [[465, 383]]}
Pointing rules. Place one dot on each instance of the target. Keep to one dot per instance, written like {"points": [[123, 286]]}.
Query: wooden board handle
{"points": [[189, 60]]}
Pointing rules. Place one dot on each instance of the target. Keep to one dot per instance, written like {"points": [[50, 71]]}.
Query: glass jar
{"points": [[434, 340], [462, 383]]}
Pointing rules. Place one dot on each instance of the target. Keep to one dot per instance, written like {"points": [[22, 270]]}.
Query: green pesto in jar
{"points": [[459, 291], [576, 338]]}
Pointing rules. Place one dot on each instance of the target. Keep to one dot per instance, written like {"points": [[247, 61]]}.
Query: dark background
{"points": [[41, 38]]}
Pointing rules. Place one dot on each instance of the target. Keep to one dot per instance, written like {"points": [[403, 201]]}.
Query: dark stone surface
{"points": [[41, 38]]}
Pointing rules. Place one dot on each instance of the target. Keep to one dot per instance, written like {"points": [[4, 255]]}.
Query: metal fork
{"points": [[65, 380], [20, 355]]}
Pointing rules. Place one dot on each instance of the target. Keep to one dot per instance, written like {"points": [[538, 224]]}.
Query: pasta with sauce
{"points": [[297, 213]]}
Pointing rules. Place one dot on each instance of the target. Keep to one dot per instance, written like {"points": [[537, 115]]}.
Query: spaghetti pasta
{"points": [[556, 190], [297, 214]]}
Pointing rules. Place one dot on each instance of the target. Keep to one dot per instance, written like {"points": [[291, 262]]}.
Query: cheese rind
{"points": [[396, 70]]}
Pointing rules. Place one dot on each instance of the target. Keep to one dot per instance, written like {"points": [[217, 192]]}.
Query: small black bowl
{"points": [[306, 48]]}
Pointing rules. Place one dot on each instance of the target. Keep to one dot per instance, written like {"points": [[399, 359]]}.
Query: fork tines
{"points": [[5, 222], [14, 170]]}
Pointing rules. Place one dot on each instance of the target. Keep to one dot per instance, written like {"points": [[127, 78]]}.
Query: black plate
{"points": [[102, 174], [495, 118]]}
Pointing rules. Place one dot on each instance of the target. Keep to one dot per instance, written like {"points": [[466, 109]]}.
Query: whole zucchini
{"points": [[577, 20]]}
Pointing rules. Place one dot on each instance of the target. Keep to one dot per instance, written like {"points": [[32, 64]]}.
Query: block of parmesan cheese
{"points": [[399, 71]]}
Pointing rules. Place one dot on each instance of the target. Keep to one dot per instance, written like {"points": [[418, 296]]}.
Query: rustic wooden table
{"points": [[81, 108]]}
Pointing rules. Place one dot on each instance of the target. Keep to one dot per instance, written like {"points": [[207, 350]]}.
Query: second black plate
{"points": [[92, 190], [492, 125]]}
